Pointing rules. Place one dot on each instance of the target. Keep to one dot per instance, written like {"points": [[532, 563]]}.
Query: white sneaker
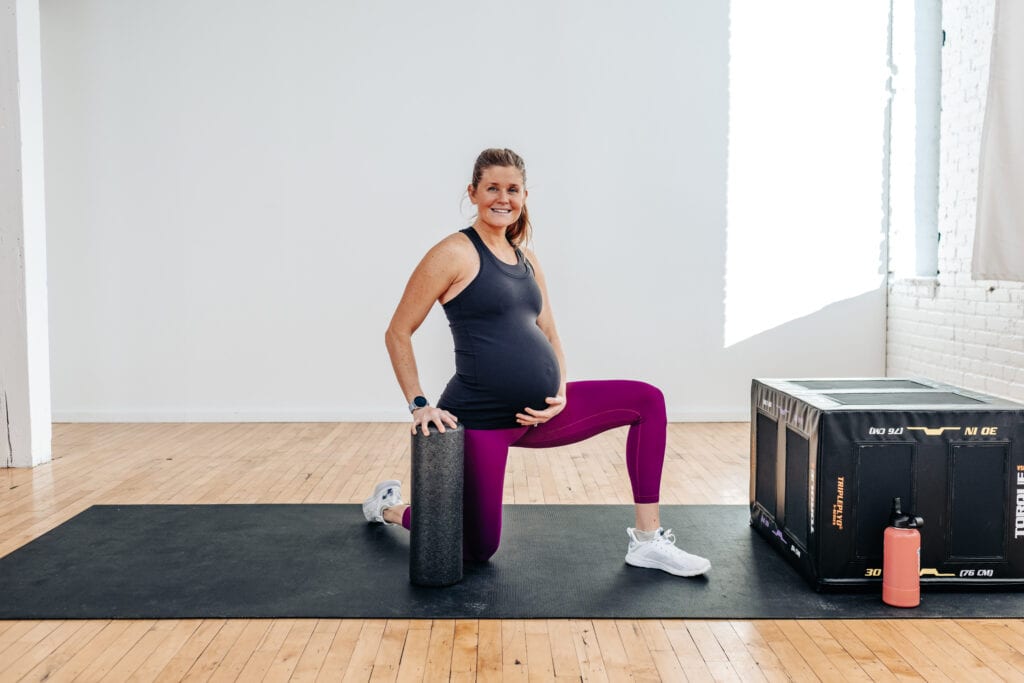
{"points": [[661, 553], [385, 495]]}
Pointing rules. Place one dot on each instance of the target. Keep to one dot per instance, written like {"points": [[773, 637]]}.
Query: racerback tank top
{"points": [[503, 361]]}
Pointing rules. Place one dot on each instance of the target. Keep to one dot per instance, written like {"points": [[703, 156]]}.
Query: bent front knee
{"points": [[479, 552], [650, 401]]}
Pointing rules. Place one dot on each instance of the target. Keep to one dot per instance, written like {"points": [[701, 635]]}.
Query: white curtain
{"points": [[999, 235]]}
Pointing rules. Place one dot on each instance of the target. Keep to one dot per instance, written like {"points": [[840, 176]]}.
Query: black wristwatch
{"points": [[417, 403]]}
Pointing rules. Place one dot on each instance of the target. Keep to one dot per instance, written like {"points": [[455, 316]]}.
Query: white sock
{"points": [[644, 536]]}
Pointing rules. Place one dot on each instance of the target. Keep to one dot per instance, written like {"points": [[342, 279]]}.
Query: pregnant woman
{"points": [[509, 387]]}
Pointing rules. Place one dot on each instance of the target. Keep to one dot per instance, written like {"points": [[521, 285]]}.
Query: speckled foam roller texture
{"points": [[435, 553]]}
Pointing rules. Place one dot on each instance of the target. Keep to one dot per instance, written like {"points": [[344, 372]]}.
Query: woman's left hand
{"points": [[532, 418]]}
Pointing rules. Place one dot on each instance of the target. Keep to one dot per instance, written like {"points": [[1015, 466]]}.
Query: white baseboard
{"points": [[709, 416], [137, 416]]}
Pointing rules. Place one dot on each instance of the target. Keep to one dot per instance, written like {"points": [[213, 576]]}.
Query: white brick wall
{"points": [[955, 329]]}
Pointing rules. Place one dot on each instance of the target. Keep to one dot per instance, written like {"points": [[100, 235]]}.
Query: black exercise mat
{"points": [[556, 561]]}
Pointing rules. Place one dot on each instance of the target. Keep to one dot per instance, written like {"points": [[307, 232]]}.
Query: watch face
{"points": [[419, 402]]}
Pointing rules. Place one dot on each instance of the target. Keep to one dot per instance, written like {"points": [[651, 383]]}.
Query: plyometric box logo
{"points": [[837, 507], [934, 431]]}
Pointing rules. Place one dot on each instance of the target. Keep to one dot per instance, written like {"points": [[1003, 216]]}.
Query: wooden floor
{"points": [[338, 463]]}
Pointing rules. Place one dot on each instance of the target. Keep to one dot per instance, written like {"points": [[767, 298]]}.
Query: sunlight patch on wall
{"points": [[807, 99]]}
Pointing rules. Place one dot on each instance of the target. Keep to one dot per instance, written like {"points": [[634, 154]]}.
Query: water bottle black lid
{"points": [[900, 520]]}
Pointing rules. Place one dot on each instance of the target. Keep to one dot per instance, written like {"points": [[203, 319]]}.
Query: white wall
{"points": [[953, 328], [25, 417], [237, 193]]}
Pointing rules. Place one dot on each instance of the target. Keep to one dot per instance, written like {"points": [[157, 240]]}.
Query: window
{"points": [[915, 61]]}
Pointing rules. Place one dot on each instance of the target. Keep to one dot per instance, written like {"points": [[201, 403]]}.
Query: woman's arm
{"points": [[546, 322], [442, 267]]}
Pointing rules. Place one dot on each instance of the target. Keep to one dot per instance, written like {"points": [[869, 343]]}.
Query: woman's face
{"points": [[499, 196]]}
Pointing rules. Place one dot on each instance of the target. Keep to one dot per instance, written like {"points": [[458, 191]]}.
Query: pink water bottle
{"points": [[901, 559]]}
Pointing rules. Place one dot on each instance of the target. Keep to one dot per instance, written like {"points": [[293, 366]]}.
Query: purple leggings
{"points": [[591, 407]]}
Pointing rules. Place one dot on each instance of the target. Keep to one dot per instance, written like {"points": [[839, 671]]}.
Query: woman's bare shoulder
{"points": [[452, 256], [457, 241]]}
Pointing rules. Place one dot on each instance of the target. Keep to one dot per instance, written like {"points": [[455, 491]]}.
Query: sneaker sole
{"points": [[646, 564], [377, 490]]}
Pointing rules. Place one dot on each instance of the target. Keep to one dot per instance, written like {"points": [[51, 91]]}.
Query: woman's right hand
{"points": [[423, 417]]}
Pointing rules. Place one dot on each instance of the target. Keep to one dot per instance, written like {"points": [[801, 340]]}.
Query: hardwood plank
{"points": [[464, 652], [213, 654], [641, 664], [489, 653], [564, 658], [613, 651], [439, 650], [141, 651], [237, 656], [686, 651], [262, 658], [811, 652], [341, 650], [313, 656], [513, 651], [190, 651], [834, 651], [796, 667], [540, 665], [47, 667], [883, 649], [740, 659], [413, 666], [767, 662], [588, 651], [954, 659], [982, 638], [389, 654], [166, 650], [893, 632], [711, 652], [17, 665], [90, 651], [360, 666], [855, 649], [20, 643], [106, 660]]}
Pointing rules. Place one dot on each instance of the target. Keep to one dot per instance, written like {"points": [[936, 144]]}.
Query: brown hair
{"points": [[519, 232]]}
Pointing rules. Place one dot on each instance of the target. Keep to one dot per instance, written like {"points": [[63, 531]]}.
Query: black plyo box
{"points": [[827, 456]]}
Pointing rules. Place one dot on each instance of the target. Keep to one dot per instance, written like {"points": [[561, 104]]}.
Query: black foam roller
{"points": [[435, 553]]}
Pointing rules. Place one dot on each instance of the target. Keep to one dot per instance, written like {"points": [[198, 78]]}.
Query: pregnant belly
{"points": [[523, 387], [520, 372]]}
